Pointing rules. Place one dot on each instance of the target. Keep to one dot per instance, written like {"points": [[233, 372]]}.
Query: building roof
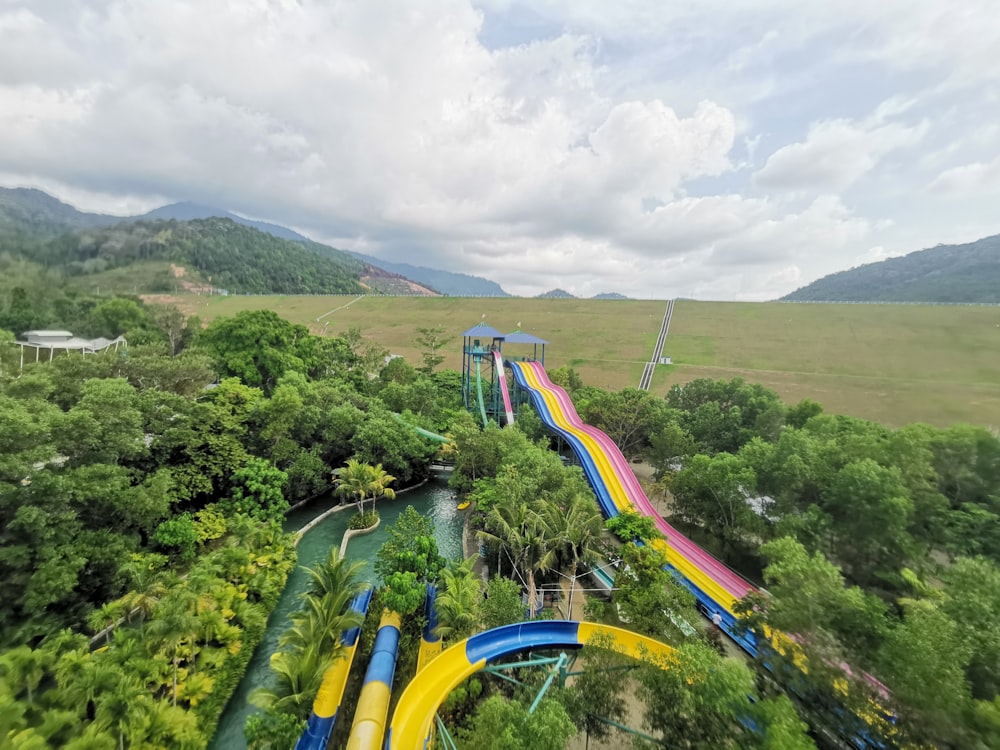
{"points": [[74, 342], [520, 337], [481, 330], [49, 334]]}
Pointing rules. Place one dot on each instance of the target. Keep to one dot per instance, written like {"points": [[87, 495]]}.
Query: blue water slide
{"points": [[326, 707]]}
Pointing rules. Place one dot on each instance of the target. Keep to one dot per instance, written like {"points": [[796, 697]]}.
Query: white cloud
{"points": [[598, 156], [835, 154], [968, 178]]}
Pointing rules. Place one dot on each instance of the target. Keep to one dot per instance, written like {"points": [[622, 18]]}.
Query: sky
{"points": [[715, 149]]}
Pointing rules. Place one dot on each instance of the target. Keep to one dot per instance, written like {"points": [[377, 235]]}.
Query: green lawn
{"points": [[892, 363]]}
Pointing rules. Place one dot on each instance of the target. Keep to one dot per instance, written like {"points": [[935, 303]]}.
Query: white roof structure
{"points": [[54, 341]]}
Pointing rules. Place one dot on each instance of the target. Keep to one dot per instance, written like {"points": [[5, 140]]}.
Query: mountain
{"points": [[445, 282], [946, 273], [557, 294], [186, 211], [240, 255], [609, 295], [226, 254], [26, 211]]}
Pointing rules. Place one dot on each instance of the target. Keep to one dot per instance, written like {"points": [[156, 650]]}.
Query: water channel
{"points": [[433, 499]]}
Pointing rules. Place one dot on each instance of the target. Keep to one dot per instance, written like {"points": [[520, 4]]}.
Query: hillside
{"points": [[445, 282], [556, 294], [186, 211], [609, 295], [240, 255], [892, 363], [946, 273], [26, 212], [228, 255]]}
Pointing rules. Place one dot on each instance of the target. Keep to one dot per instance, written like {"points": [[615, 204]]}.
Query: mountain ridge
{"points": [[966, 273]]}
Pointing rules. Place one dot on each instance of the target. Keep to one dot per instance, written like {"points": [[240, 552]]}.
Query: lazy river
{"points": [[433, 499]]}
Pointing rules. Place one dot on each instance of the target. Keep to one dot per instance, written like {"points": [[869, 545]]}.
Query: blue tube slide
{"points": [[326, 707], [373, 703]]}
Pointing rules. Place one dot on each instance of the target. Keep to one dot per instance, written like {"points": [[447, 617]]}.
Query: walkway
{"points": [[647, 371]]}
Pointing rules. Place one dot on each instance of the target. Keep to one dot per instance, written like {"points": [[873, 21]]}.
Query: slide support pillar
{"points": [[446, 739], [558, 669]]}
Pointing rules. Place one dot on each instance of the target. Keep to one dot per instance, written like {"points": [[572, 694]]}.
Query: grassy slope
{"points": [[892, 363]]}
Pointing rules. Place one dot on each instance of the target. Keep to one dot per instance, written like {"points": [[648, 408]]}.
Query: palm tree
{"points": [[93, 738], [81, 678], [174, 627], [458, 601], [299, 675], [579, 526], [25, 667], [359, 481], [105, 618], [526, 537], [334, 575], [122, 708], [148, 587], [172, 726]]}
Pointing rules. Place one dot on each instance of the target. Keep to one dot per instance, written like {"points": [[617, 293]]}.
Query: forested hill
{"points": [[946, 273], [234, 257], [186, 211], [30, 212]]}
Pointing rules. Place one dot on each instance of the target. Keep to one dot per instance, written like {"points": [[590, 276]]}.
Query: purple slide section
{"points": [[508, 409], [717, 570]]}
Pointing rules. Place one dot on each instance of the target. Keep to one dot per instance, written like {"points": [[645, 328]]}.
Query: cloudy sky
{"points": [[720, 149]]}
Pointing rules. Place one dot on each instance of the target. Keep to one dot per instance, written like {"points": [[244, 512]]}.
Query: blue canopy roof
{"points": [[520, 337], [483, 331]]}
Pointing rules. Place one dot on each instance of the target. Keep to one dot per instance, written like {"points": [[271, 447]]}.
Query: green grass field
{"points": [[891, 363]]}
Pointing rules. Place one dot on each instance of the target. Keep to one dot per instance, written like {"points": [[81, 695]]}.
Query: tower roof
{"points": [[483, 331], [520, 337]]}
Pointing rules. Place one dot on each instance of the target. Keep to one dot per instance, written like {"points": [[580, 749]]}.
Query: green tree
{"points": [[503, 724], [272, 730], [723, 415], [630, 525], [872, 511], [714, 492], [502, 605], [404, 592], [629, 417], [523, 534], [258, 491], [431, 341], [179, 535], [411, 547], [258, 347], [648, 598], [358, 481], [924, 660], [458, 600]]}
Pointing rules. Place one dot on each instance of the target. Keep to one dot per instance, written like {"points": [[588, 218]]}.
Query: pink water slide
{"points": [[502, 377]]}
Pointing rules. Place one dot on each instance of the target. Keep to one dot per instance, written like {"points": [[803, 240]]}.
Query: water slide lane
{"points": [[715, 585], [430, 642], [479, 392], [504, 391], [326, 707], [373, 703], [412, 720]]}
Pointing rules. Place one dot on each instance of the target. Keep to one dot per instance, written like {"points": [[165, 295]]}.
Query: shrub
{"points": [[363, 520]]}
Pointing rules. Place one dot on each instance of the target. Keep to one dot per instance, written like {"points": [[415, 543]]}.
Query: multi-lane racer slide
{"points": [[715, 586], [411, 722]]}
